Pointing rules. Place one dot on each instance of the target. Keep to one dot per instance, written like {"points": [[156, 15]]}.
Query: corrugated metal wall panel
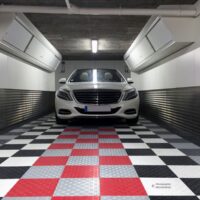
{"points": [[19, 105], [177, 108]]}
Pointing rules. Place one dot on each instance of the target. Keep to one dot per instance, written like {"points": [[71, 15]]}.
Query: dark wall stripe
{"points": [[19, 105], [178, 109]]}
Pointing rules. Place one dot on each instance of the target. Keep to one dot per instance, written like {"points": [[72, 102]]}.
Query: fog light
{"points": [[130, 112], [64, 112]]}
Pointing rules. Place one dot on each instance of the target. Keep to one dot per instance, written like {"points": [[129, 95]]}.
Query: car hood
{"points": [[85, 86]]}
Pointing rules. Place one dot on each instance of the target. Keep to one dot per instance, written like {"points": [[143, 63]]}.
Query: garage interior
{"points": [[154, 42]]}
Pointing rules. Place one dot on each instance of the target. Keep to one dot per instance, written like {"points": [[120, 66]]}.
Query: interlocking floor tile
{"points": [[33, 187], [6, 185], [124, 198], [7, 153], [83, 160], [85, 152], [146, 160], [154, 171], [86, 146], [110, 146], [19, 161], [141, 152], [57, 152], [77, 187], [114, 160], [12, 172], [115, 171], [121, 187], [178, 160], [112, 152], [49, 161], [29, 153], [81, 172], [61, 146], [43, 172], [165, 187]]}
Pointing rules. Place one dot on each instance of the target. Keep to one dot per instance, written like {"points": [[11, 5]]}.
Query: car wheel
{"points": [[60, 121], [133, 121]]}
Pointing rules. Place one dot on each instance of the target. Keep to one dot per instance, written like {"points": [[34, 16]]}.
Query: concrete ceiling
{"points": [[72, 34]]}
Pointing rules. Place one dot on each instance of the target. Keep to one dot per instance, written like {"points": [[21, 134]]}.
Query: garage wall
{"points": [[170, 92], [25, 91], [70, 66]]}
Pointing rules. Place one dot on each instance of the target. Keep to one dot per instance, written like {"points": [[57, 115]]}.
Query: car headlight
{"points": [[64, 94], [130, 94]]}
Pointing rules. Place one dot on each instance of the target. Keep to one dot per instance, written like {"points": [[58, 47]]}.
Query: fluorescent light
{"points": [[94, 76], [94, 46]]}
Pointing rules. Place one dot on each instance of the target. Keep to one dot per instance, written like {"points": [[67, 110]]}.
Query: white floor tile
{"points": [[146, 160], [42, 127], [144, 133], [168, 152], [138, 127], [123, 130], [135, 146], [41, 137], [154, 140], [36, 146], [20, 141], [7, 153], [19, 161], [166, 187], [32, 133], [6, 185], [55, 130], [185, 171], [129, 136]]}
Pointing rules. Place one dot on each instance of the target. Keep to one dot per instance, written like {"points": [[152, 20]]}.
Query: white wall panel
{"points": [[15, 74], [182, 71]]}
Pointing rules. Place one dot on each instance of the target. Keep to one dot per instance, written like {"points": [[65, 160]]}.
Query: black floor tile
{"points": [[154, 171], [12, 172], [178, 160], [42, 141], [125, 133], [51, 133], [173, 198], [149, 136], [26, 137], [2, 159], [193, 184], [160, 146], [12, 146], [142, 152], [28, 153], [131, 141], [139, 129]]}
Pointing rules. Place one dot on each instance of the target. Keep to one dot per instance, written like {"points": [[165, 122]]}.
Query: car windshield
{"points": [[96, 75]]}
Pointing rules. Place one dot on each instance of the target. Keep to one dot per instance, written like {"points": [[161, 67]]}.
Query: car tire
{"points": [[133, 121], [60, 121]]}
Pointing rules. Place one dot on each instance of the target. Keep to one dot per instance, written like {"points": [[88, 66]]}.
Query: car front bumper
{"points": [[76, 110]]}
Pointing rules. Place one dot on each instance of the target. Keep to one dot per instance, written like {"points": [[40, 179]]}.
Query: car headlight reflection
{"points": [[64, 94], [130, 94]]}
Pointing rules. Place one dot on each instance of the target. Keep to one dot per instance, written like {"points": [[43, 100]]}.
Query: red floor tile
{"points": [[89, 132], [33, 187], [108, 136], [67, 136], [121, 187], [85, 152], [111, 146], [46, 161], [87, 141], [81, 172], [76, 198], [114, 160], [61, 146], [107, 129]]}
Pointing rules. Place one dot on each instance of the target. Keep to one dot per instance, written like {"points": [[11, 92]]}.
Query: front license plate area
{"points": [[97, 108]]}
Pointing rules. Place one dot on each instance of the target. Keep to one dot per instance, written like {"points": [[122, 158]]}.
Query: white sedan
{"points": [[96, 93]]}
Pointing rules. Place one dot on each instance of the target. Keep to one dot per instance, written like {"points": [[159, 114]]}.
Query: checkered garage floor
{"points": [[42, 160]]}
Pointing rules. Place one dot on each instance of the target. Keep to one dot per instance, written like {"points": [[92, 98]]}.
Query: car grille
{"points": [[97, 96]]}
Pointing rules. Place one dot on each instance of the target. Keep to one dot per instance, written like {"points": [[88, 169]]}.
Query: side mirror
{"points": [[62, 80], [130, 81]]}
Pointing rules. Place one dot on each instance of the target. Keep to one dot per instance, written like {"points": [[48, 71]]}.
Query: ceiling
{"points": [[72, 34]]}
